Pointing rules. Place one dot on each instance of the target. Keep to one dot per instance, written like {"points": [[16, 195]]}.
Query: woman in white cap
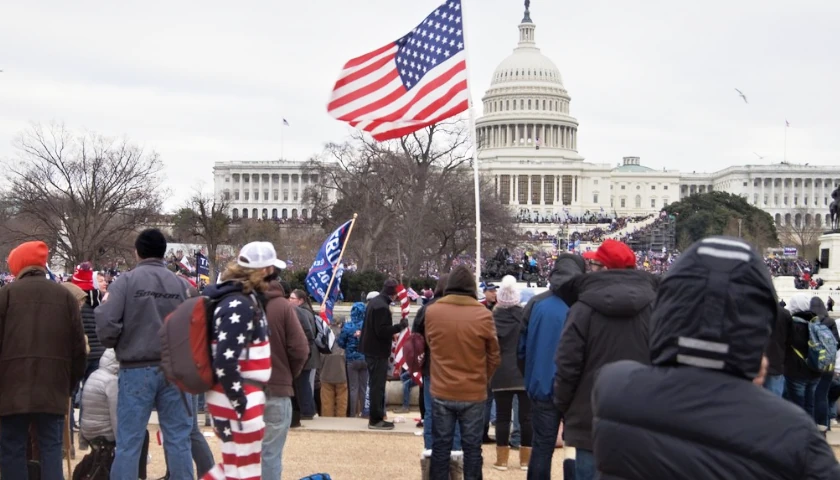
{"points": [[241, 360]]}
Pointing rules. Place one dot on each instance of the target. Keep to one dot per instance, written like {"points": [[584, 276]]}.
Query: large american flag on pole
{"points": [[399, 358], [411, 83]]}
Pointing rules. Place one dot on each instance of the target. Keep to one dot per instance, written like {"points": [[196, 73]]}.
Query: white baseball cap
{"points": [[279, 264], [371, 296], [257, 255]]}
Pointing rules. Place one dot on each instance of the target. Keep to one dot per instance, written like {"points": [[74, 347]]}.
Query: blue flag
{"points": [[202, 265], [318, 279]]}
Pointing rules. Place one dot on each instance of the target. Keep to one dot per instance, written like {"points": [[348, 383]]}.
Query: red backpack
{"points": [[186, 339], [414, 352]]}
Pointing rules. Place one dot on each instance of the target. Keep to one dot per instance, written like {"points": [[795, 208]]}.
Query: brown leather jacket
{"points": [[42, 345], [464, 348]]}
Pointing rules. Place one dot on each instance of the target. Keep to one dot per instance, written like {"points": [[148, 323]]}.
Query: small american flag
{"points": [[285, 122], [411, 83], [412, 294]]}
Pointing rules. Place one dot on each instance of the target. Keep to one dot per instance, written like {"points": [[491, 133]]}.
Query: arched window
{"points": [[817, 219], [778, 219], [807, 219], [265, 214], [235, 213], [638, 201], [245, 213], [787, 219], [797, 220], [274, 214], [303, 213], [294, 213], [285, 214], [254, 214]]}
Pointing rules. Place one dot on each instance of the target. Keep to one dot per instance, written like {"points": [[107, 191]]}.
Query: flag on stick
{"points": [[286, 123], [408, 84], [325, 274]]}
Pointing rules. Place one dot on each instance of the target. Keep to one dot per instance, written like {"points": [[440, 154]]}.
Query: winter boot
{"points": [[456, 466], [502, 454], [524, 457]]}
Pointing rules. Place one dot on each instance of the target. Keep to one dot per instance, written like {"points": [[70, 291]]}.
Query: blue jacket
{"points": [[544, 319], [347, 339]]}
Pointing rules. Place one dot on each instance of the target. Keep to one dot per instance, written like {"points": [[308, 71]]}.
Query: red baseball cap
{"points": [[613, 255]]}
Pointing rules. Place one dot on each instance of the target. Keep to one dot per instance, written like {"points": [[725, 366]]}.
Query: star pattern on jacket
{"points": [[235, 315]]}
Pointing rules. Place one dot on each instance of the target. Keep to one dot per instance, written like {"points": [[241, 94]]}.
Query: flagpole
{"points": [[281, 141], [785, 153], [474, 135], [340, 256]]}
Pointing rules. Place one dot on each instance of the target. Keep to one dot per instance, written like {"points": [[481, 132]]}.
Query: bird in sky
{"points": [[759, 156], [741, 94]]}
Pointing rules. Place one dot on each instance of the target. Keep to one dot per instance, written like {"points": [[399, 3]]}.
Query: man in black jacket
{"points": [[608, 323], [377, 334], [695, 413], [775, 352]]}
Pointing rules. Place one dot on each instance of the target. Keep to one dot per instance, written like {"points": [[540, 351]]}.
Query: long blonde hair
{"points": [[252, 280]]}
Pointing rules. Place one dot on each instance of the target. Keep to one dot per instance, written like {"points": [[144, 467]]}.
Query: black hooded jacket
{"points": [[695, 414], [508, 322], [608, 323]]}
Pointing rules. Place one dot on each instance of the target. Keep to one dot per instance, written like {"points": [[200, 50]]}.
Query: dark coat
{"points": [[42, 346], [797, 341], [419, 328], [307, 322], [89, 322], [289, 346], [695, 414], [508, 322], [379, 328], [608, 323], [775, 350]]}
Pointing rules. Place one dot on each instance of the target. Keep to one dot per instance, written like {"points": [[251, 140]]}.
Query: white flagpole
{"points": [[282, 126], [474, 134], [785, 153]]}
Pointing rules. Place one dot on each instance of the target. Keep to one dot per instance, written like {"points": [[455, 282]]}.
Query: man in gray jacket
{"points": [[129, 321]]}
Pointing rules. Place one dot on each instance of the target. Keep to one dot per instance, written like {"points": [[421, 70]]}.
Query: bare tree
{"points": [[803, 233], [82, 194], [205, 218]]}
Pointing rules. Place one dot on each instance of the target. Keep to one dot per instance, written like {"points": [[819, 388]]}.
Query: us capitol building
{"points": [[528, 146]]}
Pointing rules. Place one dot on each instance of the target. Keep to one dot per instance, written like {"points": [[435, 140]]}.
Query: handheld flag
{"points": [[408, 84], [202, 265], [325, 274], [286, 123]]}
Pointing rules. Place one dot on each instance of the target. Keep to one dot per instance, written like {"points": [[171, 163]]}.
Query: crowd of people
{"points": [[586, 354]]}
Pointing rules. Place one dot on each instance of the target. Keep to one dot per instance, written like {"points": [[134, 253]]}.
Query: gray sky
{"points": [[650, 78]]}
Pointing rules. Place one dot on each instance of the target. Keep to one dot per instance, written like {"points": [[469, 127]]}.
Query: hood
{"points": [[357, 313], [617, 293], [566, 267], [715, 309], [274, 291], [508, 319], [461, 282], [799, 303], [818, 307], [109, 361], [219, 290]]}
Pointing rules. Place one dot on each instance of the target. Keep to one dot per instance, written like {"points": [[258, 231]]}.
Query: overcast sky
{"points": [[200, 84]]}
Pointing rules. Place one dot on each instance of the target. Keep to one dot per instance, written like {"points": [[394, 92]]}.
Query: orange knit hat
{"points": [[29, 254]]}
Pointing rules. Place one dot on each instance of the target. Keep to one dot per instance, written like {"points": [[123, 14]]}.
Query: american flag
{"points": [[411, 83]]}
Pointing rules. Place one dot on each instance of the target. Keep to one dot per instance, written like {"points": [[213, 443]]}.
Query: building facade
{"points": [[264, 189], [528, 145]]}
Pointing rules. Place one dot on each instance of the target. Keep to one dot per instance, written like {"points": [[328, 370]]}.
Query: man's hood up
{"points": [[617, 293]]}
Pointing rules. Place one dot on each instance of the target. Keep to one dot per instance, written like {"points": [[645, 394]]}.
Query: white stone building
{"points": [[264, 189], [528, 143]]}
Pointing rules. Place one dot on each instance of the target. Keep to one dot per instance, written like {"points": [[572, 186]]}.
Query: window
{"points": [[235, 213], [265, 195], [745, 184], [276, 195], [665, 187], [755, 199], [805, 201], [274, 214], [285, 196], [567, 189], [529, 104], [264, 213], [247, 195], [245, 213], [295, 196], [638, 187], [227, 195], [622, 203], [594, 198], [622, 187], [522, 189], [236, 195], [766, 197], [653, 187], [227, 179], [638, 201], [285, 214], [303, 213]]}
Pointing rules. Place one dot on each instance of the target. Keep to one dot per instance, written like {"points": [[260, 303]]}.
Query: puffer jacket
{"points": [[99, 399], [508, 321], [89, 322], [347, 339], [695, 414]]}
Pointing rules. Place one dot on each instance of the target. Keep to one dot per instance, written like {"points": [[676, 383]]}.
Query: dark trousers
{"points": [[546, 424], [488, 406], [377, 375], [504, 407], [305, 395], [14, 435], [821, 404], [446, 415]]}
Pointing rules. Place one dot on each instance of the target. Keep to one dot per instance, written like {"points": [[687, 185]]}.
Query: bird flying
{"points": [[741, 94], [759, 156]]}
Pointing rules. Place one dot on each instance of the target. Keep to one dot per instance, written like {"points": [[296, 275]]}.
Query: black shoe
{"points": [[383, 425], [487, 440], [295, 425], [420, 424]]}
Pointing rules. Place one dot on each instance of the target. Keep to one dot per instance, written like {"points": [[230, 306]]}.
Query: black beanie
{"points": [[389, 288], [150, 244], [461, 282]]}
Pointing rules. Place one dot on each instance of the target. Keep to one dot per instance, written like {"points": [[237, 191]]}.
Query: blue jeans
{"points": [[584, 465], [801, 392], [142, 389], [821, 404], [278, 419], [776, 384], [545, 419], [305, 394], [201, 453], [427, 421], [447, 415], [14, 436], [407, 382]]}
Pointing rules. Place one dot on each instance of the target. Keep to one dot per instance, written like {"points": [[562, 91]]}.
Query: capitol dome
{"points": [[526, 105]]}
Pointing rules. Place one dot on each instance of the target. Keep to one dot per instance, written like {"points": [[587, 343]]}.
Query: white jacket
{"points": [[99, 399]]}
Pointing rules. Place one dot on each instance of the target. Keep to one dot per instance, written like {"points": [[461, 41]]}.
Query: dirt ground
{"points": [[356, 455]]}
